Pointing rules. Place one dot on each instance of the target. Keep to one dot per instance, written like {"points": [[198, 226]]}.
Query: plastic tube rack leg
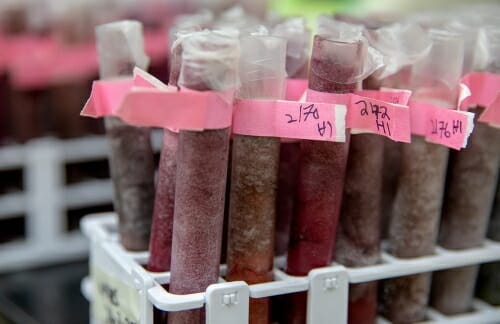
{"points": [[328, 291]]}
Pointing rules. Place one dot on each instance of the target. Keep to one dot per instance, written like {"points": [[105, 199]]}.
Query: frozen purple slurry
{"points": [[489, 276], [358, 235], [132, 171], [392, 154], [403, 300], [417, 207], [392, 165], [494, 226], [468, 201], [199, 212], [453, 290], [66, 101], [160, 245], [288, 169], [287, 179], [26, 117], [414, 226], [470, 191]]}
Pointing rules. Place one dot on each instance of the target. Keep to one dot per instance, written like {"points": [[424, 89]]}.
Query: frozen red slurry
{"points": [[120, 48], [285, 202], [298, 46], [254, 174], [199, 211], [202, 163], [469, 197], [322, 166], [160, 245], [417, 208]]}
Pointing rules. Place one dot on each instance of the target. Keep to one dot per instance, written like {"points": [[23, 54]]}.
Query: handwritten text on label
{"points": [[311, 113], [114, 302], [370, 109]]}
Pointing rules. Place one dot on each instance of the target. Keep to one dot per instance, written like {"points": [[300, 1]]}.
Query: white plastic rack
{"points": [[45, 198], [136, 290]]}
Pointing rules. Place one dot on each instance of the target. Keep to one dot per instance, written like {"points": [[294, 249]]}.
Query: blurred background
{"points": [[53, 163]]}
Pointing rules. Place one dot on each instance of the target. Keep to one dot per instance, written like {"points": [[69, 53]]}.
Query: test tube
{"points": [[417, 207], [468, 200], [335, 67], [209, 62], [160, 244], [358, 237], [120, 48], [254, 173]]}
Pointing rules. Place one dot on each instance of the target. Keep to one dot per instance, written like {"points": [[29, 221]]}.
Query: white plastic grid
{"points": [[227, 302], [46, 197]]}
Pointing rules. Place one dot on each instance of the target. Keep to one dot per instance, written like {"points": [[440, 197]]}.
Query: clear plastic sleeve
{"points": [[436, 77], [209, 62], [465, 216], [401, 44], [254, 173], [210, 58], [339, 37], [237, 18], [298, 47], [120, 48], [417, 208]]}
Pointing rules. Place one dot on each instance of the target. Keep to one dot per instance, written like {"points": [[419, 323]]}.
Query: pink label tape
{"points": [[18, 47], [142, 103], [394, 96], [36, 62], [295, 89], [45, 62], [447, 127], [289, 119], [485, 91], [368, 115], [52, 63]]}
